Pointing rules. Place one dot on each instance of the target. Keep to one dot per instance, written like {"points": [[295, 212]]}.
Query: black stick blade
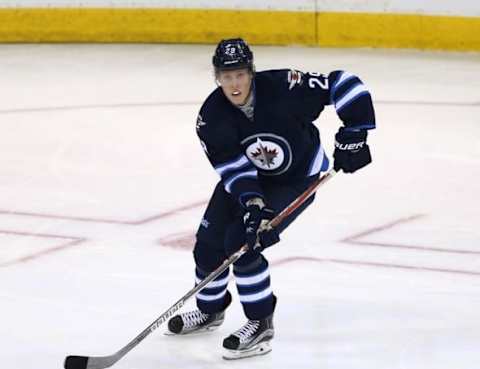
{"points": [[76, 362]]}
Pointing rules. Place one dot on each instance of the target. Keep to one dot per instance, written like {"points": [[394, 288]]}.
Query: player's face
{"points": [[235, 85]]}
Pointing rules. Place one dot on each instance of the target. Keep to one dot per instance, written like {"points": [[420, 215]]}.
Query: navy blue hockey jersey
{"points": [[281, 144]]}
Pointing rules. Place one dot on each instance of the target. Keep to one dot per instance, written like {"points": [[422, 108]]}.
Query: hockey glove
{"points": [[351, 150], [256, 218]]}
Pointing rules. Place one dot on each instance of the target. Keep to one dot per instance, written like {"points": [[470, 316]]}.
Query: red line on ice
{"points": [[354, 239], [103, 220], [73, 241], [371, 264]]}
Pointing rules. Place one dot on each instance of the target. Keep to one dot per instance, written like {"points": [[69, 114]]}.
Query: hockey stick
{"points": [[101, 362]]}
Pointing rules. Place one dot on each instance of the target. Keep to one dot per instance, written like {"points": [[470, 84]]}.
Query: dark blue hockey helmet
{"points": [[233, 53]]}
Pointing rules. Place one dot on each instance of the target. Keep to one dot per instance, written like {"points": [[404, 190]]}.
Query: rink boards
{"points": [[282, 23]]}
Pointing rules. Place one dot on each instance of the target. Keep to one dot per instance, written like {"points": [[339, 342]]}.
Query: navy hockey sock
{"points": [[212, 299], [253, 285]]}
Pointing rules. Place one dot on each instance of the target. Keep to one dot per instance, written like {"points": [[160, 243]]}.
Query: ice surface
{"points": [[103, 183]]}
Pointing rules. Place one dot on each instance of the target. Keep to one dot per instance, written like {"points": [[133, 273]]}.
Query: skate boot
{"points": [[197, 321], [252, 339], [194, 322]]}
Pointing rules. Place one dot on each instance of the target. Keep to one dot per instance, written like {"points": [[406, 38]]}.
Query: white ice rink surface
{"points": [[103, 182]]}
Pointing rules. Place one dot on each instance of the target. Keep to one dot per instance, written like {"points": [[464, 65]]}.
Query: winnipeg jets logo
{"points": [[264, 155], [268, 152]]}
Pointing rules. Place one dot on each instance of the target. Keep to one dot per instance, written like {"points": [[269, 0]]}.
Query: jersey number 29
{"points": [[317, 80]]}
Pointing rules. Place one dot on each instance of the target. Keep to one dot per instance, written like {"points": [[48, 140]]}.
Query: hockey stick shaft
{"points": [[101, 362], [295, 204]]}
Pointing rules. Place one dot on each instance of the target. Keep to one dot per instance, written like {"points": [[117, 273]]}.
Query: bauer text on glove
{"points": [[351, 150]]}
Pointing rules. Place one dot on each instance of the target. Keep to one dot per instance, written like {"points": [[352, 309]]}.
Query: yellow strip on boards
{"points": [[257, 27], [155, 25], [398, 31]]}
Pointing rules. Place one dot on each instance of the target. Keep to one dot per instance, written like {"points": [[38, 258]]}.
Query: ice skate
{"points": [[252, 339], [194, 322]]}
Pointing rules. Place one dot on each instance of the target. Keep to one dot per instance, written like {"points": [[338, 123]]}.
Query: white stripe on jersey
{"points": [[351, 95], [234, 164], [343, 78], [317, 163], [228, 184]]}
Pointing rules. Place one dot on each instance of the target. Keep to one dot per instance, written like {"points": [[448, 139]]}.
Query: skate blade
{"points": [[259, 349], [199, 331]]}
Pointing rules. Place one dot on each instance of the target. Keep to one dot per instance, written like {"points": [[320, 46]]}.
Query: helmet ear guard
{"points": [[232, 54]]}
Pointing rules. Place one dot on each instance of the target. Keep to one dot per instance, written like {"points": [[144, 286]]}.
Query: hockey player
{"points": [[256, 130]]}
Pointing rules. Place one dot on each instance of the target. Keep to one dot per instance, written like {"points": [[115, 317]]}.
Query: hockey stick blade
{"points": [[102, 362], [92, 362], [76, 362]]}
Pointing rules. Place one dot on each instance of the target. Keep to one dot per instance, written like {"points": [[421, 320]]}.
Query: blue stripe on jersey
{"points": [[234, 164], [350, 96], [233, 172], [319, 162], [360, 127], [342, 78]]}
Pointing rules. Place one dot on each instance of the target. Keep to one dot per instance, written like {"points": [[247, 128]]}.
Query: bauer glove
{"points": [[351, 150], [256, 218]]}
